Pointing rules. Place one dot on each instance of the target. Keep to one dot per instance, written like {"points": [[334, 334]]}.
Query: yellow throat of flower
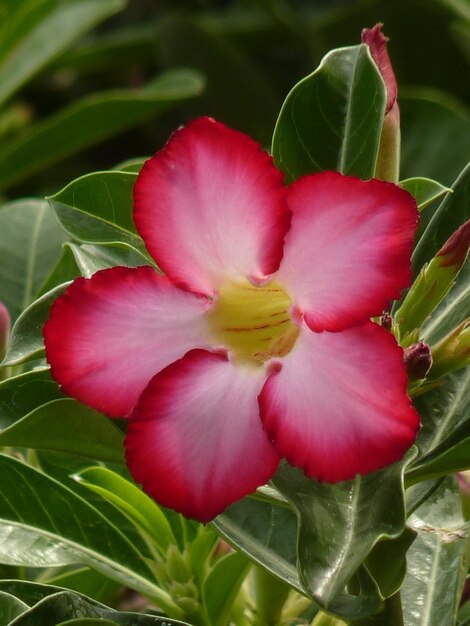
{"points": [[253, 322]]}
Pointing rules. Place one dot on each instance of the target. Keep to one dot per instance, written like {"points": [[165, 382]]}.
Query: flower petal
{"points": [[337, 406], [211, 205], [110, 334], [348, 251], [195, 441]]}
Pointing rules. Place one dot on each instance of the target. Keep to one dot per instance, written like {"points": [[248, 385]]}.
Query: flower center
{"points": [[253, 322]]}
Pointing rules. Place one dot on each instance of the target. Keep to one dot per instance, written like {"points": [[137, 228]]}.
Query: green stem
{"points": [[392, 614]]}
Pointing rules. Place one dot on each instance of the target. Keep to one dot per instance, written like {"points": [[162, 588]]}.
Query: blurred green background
{"points": [[235, 60]]}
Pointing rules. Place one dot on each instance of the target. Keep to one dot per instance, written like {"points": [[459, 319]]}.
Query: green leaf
{"points": [[10, 607], [92, 120], [131, 501], [44, 524], [90, 259], [54, 605], [432, 125], [444, 437], [222, 585], [26, 340], [86, 581], [97, 208], [21, 394], [424, 190], [338, 527], [66, 425], [332, 119], [452, 213], [30, 244], [265, 533], [131, 165], [41, 40], [88, 621], [437, 560], [64, 271]]}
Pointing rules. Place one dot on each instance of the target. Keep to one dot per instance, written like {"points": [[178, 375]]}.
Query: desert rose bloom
{"points": [[257, 343]]}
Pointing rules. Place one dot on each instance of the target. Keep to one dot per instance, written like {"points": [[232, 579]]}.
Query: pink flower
{"points": [[257, 344]]}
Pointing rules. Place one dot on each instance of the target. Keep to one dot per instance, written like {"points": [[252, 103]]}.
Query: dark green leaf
{"points": [[97, 208], [332, 119], [437, 560], [10, 607], [452, 213], [41, 40], [88, 621], [266, 533], [222, 585], [65, 271], [338, 527], [43, 524], [66, 425], [86, 581], [26, 340], [30, 245], [424, 190], [22, 394], [91, 120]]}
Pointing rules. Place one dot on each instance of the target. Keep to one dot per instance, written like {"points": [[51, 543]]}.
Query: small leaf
{"points": [[222, 585], [91, 259], [68, 426], [131, 501], [26, 340], [332, 119], [10, 607], [424, 190]]}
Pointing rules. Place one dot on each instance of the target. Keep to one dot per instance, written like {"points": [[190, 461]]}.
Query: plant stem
{"points": [[392, 615]]}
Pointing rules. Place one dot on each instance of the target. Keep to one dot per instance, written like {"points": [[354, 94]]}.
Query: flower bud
{"points": [[452, 352], [176, 566], [432, 284], [4, 330], [418, 360], [388, 161]]}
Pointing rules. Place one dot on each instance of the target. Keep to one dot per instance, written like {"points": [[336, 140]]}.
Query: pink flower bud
{"points": [[455, 250], [4, 329], [377, 43], [418, 360]]}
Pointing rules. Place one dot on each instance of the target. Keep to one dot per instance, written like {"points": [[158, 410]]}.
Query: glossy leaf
{"points": [[90, 259], [266, 533], [30, 245], [43, 524], [338, 527], [92, 120], [34, 46], [26, 340], [444, 438], [66, 425], [88, 621], [22, 394], [10, 607], [424, 190], [131, 501], [452, 213], [332, 119], [53, 605], [222, 586], [86, 581], [64, 271], [437, 560], [97, 208]]}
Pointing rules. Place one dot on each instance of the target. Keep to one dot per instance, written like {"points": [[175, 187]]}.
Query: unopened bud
{"points": [[4, 330], [418, 360], [386, 321], [388, 160], [432, 284], [176, 566], [452, 352]]}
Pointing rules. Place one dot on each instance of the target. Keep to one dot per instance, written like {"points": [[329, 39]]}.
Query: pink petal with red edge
{"points": [[337, 406], [211, 205], [195, 441], [109, 335], [348, 251]]}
